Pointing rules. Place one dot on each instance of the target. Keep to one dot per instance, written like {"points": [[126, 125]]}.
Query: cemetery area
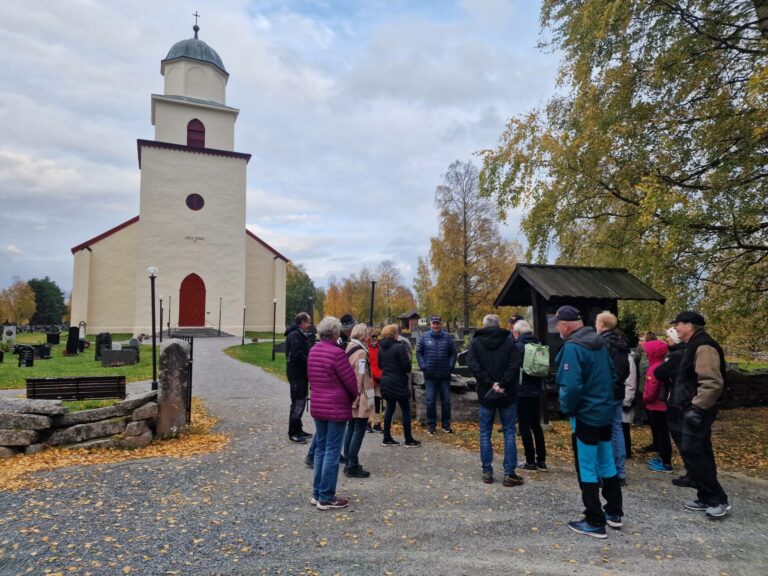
{"points": [[12, 376]]}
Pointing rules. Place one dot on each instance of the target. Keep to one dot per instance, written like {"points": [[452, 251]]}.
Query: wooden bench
{"points": [[76, 388]]}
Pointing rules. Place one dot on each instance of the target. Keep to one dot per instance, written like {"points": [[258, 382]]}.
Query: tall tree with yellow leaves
{"points": [[17, 302]]}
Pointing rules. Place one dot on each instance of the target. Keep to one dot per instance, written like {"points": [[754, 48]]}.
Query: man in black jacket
{"points": [[495, 363], [605, 325], [296, 354]]}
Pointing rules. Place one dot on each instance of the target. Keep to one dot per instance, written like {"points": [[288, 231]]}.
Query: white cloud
{"points": [[352, 112], [13, 249]]}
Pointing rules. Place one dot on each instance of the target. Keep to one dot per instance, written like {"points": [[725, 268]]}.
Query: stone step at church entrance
{"points": [[196, 332]]}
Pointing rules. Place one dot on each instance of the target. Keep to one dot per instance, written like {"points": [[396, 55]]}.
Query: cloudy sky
{"points": [[352, 110]]}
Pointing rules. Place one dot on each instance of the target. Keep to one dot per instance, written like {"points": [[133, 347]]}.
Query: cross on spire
{"points": [[196, 27]]}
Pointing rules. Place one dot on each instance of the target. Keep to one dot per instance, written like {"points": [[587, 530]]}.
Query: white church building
{"points": [[191, 222]]}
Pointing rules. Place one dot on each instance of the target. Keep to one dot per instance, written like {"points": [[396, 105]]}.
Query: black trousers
{"points": [[696, 450], [626, 426], [529, 419], [661, 437], [299, 390], [675, 425]]}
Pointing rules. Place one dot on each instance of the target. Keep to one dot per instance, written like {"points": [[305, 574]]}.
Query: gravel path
{"points": [[245, 510]]}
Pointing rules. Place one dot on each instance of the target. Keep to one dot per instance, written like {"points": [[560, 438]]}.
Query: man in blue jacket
{"points": [[585, 376], [436, 354]]}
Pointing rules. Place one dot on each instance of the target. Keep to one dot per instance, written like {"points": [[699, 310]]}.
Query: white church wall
{"points": [[171, 121], [179, 241], [261, 288], [103, 291]]}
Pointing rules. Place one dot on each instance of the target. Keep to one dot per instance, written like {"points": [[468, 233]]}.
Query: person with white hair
{"points": [[529, 404], [334, 389], [494, 361]]}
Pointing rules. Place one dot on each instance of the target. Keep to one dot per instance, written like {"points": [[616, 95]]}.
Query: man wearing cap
{"points": [[699, 383], [585, 376], [436, 354]]}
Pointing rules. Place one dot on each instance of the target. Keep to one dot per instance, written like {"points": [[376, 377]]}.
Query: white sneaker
{"points": [[718, 511]]}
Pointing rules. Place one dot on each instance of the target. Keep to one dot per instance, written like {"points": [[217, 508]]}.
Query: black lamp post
{"points": [[152, 273], [311, 310], [242, 342], [373, 286], [169, 316], [219, 315], [274, 325], [161, 320]]}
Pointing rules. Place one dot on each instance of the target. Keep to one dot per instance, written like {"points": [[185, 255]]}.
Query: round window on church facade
{"points": [[195, 202]]}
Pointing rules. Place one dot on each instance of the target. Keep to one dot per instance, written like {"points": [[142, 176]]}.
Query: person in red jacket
{"points": [[655, 398], [373, 358], [334, 389]]}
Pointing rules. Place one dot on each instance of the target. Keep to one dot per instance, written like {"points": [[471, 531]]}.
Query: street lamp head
{"points": [[152, 271], [274, 300]]}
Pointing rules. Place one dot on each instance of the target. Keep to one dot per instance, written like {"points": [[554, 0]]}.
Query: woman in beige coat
{"points": [[362, 407]]}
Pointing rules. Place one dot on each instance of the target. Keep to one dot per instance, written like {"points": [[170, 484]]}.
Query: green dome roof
{"points": [[195, 49]]}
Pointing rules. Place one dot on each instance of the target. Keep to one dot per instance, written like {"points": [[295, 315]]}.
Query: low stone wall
{"points": [[29, 426], [32, 425]]}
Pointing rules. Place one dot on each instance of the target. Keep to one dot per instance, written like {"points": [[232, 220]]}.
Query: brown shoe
{"points": [[487, 477], [513, 480]]}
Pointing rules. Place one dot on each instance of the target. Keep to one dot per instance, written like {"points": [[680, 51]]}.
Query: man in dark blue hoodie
{"points": [[585, 376]]}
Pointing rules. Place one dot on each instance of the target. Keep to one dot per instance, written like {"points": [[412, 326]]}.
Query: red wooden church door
{"points": [[192, 301]]}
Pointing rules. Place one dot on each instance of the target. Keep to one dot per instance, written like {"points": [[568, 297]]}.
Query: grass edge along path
{"points": [[16, 473]]}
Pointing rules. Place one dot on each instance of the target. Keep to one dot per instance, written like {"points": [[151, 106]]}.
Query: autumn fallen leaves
{"points": [[16, 473], [740, 440]]}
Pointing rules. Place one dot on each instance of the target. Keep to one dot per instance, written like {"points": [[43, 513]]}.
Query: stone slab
{"points": [[87, 431], [17, 437], [136, 428], [94, 415], [145, 412], [103, 442], [133, 402], [34, 448], [8, 452], [25, 421], [48, 407], [137, 441]]}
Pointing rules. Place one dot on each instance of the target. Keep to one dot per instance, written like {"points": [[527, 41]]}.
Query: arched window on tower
{"points": [[196, 134]]}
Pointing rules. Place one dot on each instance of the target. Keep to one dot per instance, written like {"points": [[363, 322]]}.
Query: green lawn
{"points": [[11, 376], [260, 354], [262, 336]]}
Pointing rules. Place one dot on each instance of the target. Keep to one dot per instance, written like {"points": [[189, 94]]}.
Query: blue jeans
{"points": [[312, 446], [329, 436], [508, 416], [432, 388], [617, 441], [353, 440]]}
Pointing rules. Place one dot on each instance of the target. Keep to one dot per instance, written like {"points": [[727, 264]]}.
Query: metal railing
{"points": [[191, 341]]}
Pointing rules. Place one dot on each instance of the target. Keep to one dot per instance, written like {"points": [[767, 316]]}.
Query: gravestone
{"points": [[53, 337], [73, 341], [103, 342], [9, 335], [114, 358], [42, 351], [172, 393], [26, 355], [134, 344]]}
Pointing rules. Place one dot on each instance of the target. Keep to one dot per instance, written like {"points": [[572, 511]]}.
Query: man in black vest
{"points": [[699, 383]]}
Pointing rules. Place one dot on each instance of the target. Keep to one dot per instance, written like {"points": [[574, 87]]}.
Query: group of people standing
{"points": [[353, 374], [682, 385]]}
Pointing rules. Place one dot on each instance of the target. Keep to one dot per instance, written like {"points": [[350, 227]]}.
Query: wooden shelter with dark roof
{"points": [[546, 287], [409, 320]]}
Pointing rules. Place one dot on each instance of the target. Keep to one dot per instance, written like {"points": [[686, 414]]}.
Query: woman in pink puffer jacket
{"points": [[334, 389], [655, 398]]}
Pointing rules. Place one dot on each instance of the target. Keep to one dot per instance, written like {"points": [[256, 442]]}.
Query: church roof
{"points": [[267, 246], [195, 49]]}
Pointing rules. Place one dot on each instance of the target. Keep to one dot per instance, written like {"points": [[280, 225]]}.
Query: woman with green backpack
{"points": [[529, 395]]}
